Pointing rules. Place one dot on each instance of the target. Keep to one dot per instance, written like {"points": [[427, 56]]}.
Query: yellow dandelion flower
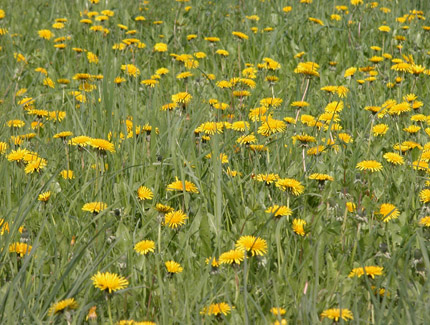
{"points": [[144, 247], [173, 267], [44, 197], [67, 174], [425, 221], [394, 158], [371, 165], [160, 47], [388, 212], [298, 226], [109, 282], [94, 207], [63, 305], [234, 256], [279, 211], [20, 249], [144, 193], [216, 309], [179, 186], [102, 145], [174, 219], [337, 313], [255, 245], [291, 185], [370, 271]]}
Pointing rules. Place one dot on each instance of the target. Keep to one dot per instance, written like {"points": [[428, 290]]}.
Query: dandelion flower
{"points": [[67, 174], [233, 256], [380, 129], [216, 309], [144, 193], [179, 186], [20, 248], [174, 219], [102, 145], [109, 282], [144, 247], [371, 165], [298, 226], [35, 165], [289, 184], [94, 207], [394, 158], [337, 313], [425, 195], [173, 267], [278, 311], [370, 271], [425, 221], [279, 211], [63, 305], [255, 245], [44, 197], [388, 212]]}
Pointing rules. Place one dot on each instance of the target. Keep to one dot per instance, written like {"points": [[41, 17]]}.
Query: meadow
{"points": [[207, 162]]}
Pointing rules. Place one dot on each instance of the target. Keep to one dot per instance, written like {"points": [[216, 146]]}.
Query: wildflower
{"points": [[316, 20], [144, 193], [425, 221], [240, 35], [109, 282], [380, 129], [212, 39], [255, 245], [17, 155], [45, 34], [160, 47], [67, 174], [20, 249], [174, 219], [63, 305], [212, 261], [350, 72], [163, 208], [234, 256], [35, 165], [267, 178], [298, 226], [425, 196], [173, 267], [102, 145], [217, 309], [388, 212], [247, 139], [336, 313], [44, 197], [271, 126], [144, 247], [289, 184], [179, 186], [371, 165], [394, 158], [279, 211], [278, 311], [63, 135], [15, 123], [370, 271], [130, 69], [321, 177], [94, 207], [182, 98], [308, 69]]}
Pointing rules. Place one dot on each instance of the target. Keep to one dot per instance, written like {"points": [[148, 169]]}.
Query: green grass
{"points": [[303, 274]]}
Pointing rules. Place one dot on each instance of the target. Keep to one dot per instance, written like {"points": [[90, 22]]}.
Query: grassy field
{"points": [[205, 162]]}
